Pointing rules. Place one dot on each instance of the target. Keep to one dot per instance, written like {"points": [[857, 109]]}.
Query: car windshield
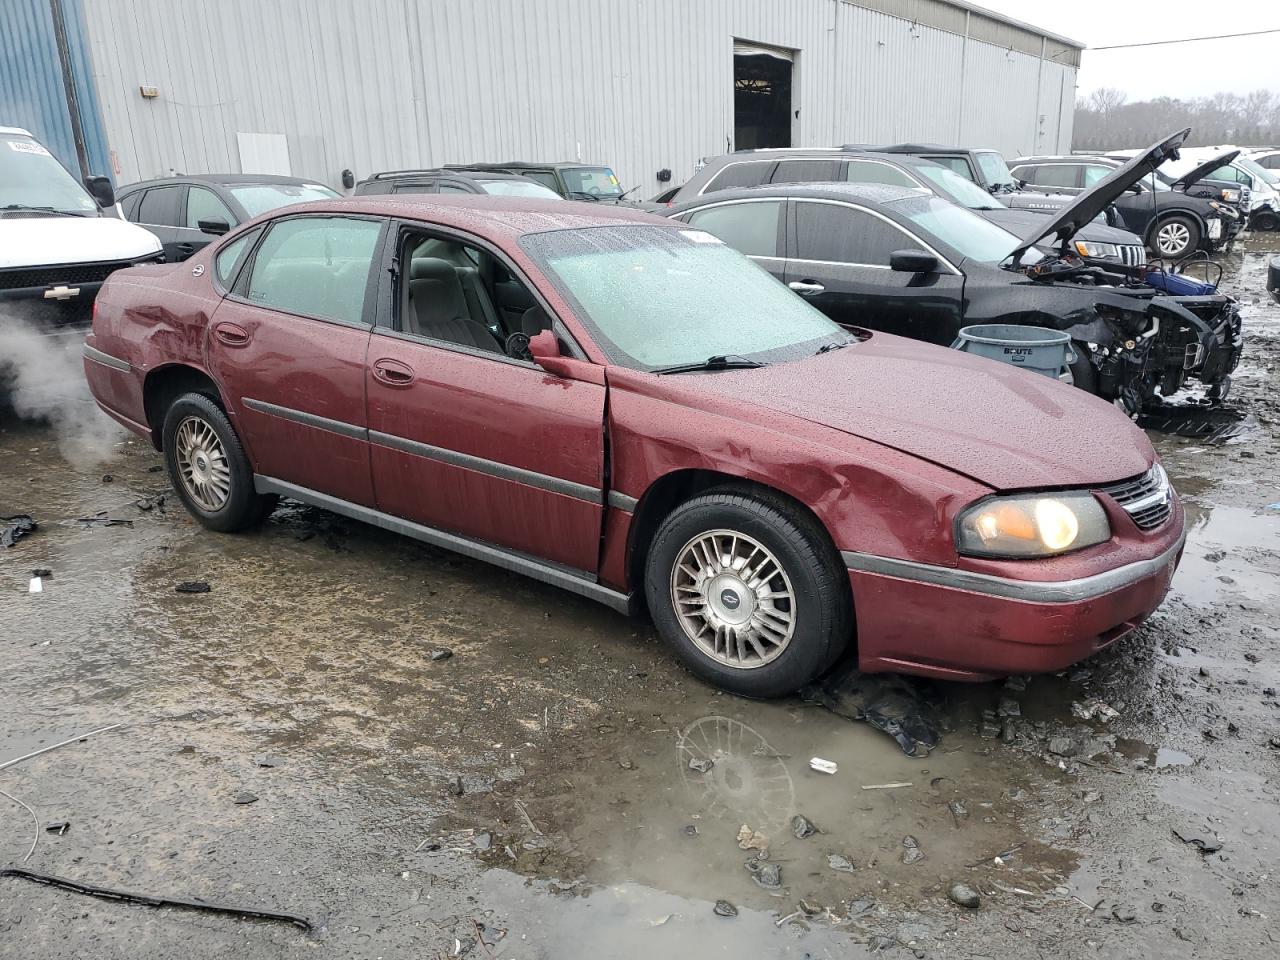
{"points": [[974, 237], [994, 169], [592, 181], [959, 189], [31, 179], [655, 297], [518, 188], [1258, 170], [257, 198]]}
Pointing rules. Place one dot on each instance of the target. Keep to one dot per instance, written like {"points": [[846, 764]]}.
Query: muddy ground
{"points": [[305, 679]]}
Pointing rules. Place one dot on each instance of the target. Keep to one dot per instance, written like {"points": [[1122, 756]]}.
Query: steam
{"points": [[42, 379]]}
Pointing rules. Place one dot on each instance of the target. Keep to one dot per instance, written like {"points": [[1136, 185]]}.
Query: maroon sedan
{"points": [[629, 409]]}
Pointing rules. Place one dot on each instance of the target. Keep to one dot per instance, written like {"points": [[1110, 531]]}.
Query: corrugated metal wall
{"points": [[32, 93], [639, 84]]}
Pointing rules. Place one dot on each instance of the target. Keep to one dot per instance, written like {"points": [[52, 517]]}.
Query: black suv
{"points": [[573, 181], [1096, 242], [451, 180], [1173, 216], [983, 166]]}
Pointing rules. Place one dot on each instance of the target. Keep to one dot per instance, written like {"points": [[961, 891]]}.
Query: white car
{"points": [[1263, 184], [58, 243]]}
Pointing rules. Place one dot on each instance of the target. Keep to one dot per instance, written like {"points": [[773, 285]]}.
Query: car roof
{"points": [[865, 192], [223, 180], [499, 219], [16, 131], [522, 165], [1069, 157], [472, 173], [921, 148]]}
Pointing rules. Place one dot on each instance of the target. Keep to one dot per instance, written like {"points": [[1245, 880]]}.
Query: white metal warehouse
{"points": [[315, 87]]}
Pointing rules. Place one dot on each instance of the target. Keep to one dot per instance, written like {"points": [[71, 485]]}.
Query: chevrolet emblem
{"points": [[61, 293]]}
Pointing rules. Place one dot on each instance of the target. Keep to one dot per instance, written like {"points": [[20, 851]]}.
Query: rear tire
{"points": [[208, 467], [1266, 221], [749, 591], [1174, 237]]}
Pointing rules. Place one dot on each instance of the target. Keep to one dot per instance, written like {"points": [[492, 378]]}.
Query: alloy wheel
{"points": [[1172, 239], [202, 464], [733, 599]]}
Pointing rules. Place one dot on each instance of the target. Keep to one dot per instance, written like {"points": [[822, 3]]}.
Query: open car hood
{"points": [[1067, 222], [1199, 173]]}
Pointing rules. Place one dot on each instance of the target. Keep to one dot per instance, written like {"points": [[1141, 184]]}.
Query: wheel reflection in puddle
{"points": [[747, 782]]}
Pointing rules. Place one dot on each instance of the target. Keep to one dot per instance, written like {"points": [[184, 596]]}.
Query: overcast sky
{"points": [[1180, 70]]}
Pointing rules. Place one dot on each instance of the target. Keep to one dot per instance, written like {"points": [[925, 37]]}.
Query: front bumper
{"points": [[958, 625]]}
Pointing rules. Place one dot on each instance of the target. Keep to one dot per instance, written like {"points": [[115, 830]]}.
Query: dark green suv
{"points": [[573, 181]]}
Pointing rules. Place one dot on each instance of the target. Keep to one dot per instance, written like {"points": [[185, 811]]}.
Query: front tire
{"points": [[208, 467], [1266, 221], [1175, 237], [749, 591]]}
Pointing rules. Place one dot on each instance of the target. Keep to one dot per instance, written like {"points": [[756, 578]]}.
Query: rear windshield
{"points": [[654, 297], [518, 188], [597, 182], [258, 198]]}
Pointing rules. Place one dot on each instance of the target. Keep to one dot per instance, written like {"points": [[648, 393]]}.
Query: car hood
{"points": [[1064, 223], [1022, 223], [1005, 428], [27, 241], [1192, 177]]}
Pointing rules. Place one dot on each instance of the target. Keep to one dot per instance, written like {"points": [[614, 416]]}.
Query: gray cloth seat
{"points": [[438, 307]]}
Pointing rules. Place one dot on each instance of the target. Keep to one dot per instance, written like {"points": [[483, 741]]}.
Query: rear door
{"points": [[465, 438], [838, 259], [756, 228], [288, 345], [201, 204]]}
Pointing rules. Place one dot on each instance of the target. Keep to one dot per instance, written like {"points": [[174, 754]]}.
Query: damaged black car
{"points": [[897, 260]]}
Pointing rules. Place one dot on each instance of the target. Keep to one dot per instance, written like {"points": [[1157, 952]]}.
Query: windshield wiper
{"points": [[584, 195], [24, 207], [833, 345], [719, 362]]}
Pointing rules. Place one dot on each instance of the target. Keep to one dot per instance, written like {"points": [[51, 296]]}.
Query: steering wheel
{"points": [[517, 347]]}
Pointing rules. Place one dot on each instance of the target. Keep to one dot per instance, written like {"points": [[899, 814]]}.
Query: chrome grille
{"points": [[1148, 498], [1132, 254]]}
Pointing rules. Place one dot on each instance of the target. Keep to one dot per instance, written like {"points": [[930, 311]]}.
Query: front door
{"points": [[160, 210], [464, 435], [838, 260], [288, 347], [201, 204]]}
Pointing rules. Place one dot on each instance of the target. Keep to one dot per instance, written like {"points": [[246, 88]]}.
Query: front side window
{"points": [[1093, 173], [654, 297], [258, 198], [598, 182], [1249, 168], [544, 177], [749, 173], [315, 266], [836, 233], [204, 204], [974, 237], [868, 171], [31, 179], [159, 207], [750, 227]]}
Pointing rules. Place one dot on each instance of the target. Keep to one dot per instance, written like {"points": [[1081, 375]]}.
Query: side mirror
{"points": [[100, 188], [1135, 188], [912, 261], [545, 349], [215, 227]]}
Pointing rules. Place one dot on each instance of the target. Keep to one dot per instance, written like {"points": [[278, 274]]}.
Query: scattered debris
{"points": [[482, 841], [35, 585], [1009, 707], [724, 908], [989, 728], [889, 702], [61, 743], [897, 784], [102, 518], [35, 822], [958, 811], [192, 586], [809, 909], [749, 839], [822, 766], [108, 478], [1124, 913], [455, 786], [43, 573], [840, 864], [1079, 675], [155, 500], [13, 529], [147, 900], [58, 828], [912, 852], [1063, 747], [528, 820], [1091, 796], [767, 875], [626, 763], [444, 653], [244, 797], [1206, 845], [964, 895], [267, 760], [1093, 707], [1016, 684], [802, 827], [701, 764], [690, 830], [856, 907]]}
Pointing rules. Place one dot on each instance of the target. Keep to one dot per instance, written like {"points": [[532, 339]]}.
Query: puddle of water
{"points": [[1231, 553], [1168, 757]]}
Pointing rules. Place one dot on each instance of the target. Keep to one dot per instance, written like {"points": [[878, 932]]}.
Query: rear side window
{"points": [[415, 188], [231, 256], [750, 228], [452, 188], [204, 204], [805, 171], [159, 207], [959, 164], [130, 206], [839, 234], [1271, 162], [544, 177], [867, 171], [743, 174], [1058, 175], [316, 266]]}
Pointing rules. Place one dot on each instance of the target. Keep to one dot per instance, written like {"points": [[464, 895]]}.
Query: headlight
{"points": [[1032, 525], [1087, 248], [1231, 196]]}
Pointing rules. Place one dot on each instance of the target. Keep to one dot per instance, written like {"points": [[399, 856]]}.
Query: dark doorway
{"points": [[761, 97]]}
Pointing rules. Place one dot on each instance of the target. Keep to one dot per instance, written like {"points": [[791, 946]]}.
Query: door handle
{"points": [[232, 334], [806, 288], [392, 372], [187, 248]]}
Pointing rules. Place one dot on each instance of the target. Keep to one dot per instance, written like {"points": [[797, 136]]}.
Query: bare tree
{"points": [[1106, 120]]}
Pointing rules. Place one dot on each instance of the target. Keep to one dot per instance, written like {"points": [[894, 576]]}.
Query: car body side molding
{"points": [[575, 581], [340, 427], [106, 359], [1060, 591], [620, 501]]}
